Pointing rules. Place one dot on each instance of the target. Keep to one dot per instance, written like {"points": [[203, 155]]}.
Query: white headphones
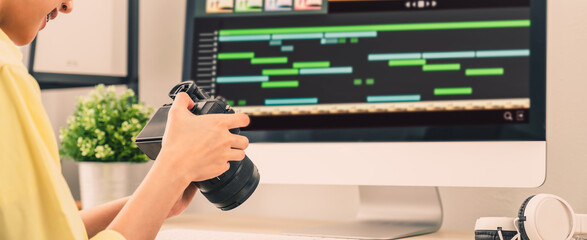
{"points": [[541, 217]]}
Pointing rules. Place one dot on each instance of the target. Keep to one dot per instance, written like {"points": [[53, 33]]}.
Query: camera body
{"points": [[226, 191]]}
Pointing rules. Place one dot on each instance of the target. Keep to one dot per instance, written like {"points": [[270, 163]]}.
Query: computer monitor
{"points": [[380, 93]]}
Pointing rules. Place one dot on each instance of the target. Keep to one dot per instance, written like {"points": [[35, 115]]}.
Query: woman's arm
{"points": [[149, 206], [98, 218]]}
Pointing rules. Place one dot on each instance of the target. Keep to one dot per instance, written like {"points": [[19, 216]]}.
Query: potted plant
{"points": [[100, 135]]}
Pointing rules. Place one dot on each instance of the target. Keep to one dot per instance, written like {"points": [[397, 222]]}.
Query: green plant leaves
{"points": [[104, 126]]}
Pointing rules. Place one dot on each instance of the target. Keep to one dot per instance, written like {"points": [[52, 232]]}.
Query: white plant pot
{"points": [[104, 182]]}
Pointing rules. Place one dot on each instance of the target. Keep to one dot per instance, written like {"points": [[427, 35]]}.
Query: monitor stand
{"points": [[387, 213]]}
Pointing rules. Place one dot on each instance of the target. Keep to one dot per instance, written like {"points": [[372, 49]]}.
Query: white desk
{"points": [[250, 224]]}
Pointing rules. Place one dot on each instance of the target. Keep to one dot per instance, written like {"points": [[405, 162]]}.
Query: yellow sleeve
{"points": [[108, 235], [35, 200]]}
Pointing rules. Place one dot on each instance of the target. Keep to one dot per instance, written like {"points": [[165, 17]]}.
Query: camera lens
{"points": [[233, 187]]}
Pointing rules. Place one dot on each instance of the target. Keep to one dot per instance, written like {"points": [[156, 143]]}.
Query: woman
{"points": [[35, 201]]}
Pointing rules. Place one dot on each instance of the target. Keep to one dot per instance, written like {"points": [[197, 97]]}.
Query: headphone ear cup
{"points": [[522, 218], [493, 235]]}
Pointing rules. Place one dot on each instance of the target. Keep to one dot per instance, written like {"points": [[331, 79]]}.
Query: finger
{"points": [[224, 168], [239, 142], [190, 191], [230, 121], [235, 155], [182, 101], [238, 120]]}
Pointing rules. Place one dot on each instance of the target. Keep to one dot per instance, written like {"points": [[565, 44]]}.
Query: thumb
{"points": [[183, 101]]}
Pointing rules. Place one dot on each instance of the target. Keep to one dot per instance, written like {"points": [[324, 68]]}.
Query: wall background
{"points": [[161, 43]]}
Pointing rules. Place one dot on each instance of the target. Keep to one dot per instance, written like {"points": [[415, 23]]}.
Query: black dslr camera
{"points": [[226, 191]]}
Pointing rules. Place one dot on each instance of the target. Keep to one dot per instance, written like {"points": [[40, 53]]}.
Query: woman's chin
{"points": [[43, 25], [23, 39]]}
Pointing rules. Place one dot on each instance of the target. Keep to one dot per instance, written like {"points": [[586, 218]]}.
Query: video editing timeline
{"points": [[438, 65]]}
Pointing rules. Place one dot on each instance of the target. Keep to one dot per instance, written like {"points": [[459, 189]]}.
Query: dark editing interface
{"points": [[349, 64]]}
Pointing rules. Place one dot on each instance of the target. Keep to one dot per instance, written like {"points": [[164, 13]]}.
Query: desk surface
{"points": [[250, 224]]}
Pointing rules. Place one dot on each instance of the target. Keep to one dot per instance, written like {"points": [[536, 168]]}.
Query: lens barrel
{"points": [[233, 187]]}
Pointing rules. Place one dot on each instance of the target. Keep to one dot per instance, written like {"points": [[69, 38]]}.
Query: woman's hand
{"points": [[199, 147], [194, 148], [184, 200]]}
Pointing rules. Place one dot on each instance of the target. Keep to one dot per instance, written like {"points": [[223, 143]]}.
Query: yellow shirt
{"points": [[35, 201]]}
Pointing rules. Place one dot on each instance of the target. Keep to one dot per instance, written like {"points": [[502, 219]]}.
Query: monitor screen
{"points": [[374, 70]]}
